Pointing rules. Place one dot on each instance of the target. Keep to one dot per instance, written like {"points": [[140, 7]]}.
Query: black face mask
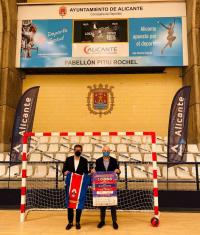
{"points": [[78, 153]]}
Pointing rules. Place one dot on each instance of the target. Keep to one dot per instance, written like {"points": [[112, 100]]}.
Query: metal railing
{"points": [[126, 179]]}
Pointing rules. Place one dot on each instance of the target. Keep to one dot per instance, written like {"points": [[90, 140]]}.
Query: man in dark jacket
{"points": [[79, 165], [107, 163]]}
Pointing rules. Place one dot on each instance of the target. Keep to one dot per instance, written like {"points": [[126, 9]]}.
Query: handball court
{"points": [[53, 223]]}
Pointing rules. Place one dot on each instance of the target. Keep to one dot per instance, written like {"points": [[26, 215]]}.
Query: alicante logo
{"points": [[100, 100], [179, 148], [62, 11], [100, 50], [74, 192]]}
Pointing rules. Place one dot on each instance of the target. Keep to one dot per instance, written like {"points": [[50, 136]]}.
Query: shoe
{"points": [[78, 226], [115, 225], [101, 224], [69, 226]]}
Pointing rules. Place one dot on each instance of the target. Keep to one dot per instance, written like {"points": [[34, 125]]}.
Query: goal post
{"points": [[138, 190]]}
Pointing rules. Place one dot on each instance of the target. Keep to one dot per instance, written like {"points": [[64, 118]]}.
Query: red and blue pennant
{"points": [[76, 189]]}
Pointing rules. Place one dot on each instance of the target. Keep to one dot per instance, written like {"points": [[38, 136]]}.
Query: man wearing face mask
{"points": [[76, 164], [107, 163]]}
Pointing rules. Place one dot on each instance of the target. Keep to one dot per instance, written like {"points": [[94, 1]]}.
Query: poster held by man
{"points": [[104, 188]]}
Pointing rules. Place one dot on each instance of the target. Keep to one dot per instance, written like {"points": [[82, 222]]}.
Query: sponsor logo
{"points": [[100, 99], [179, 148], [99, 50], [179, 124]]}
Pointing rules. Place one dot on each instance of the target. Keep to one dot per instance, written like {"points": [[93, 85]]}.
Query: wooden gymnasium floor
{"points": [[48, 223]]}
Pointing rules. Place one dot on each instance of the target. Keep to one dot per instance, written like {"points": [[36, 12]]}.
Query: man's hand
{"points": [[93, 171], [66, 172], [117, 171]]}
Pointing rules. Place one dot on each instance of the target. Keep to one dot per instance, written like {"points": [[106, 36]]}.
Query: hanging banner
{"points": [[76, 189], [104, 188], [109, 35], [178, 126], [23, 122]]}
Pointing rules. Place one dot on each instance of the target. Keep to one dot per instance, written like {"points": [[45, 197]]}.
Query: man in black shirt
{"points": [[79, 165]]}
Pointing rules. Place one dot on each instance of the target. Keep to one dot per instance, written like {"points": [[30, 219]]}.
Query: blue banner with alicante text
{"points": [[23, 121], [178, 126]]}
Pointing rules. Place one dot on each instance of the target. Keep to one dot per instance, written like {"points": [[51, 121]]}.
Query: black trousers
{"points": [[71, 215], [113, 213]]}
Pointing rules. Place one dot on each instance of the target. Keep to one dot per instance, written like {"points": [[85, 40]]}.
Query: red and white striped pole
{"points": [[155, 177], [23, 183]]}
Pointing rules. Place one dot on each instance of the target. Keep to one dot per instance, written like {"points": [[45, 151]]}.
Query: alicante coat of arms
{"points": [[100, 99]]}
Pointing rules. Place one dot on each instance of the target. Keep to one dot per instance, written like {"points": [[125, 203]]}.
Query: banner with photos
{"points": [[112, 35]]}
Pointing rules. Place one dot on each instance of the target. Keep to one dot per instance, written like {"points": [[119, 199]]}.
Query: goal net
{"points": [[43, 184]]}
